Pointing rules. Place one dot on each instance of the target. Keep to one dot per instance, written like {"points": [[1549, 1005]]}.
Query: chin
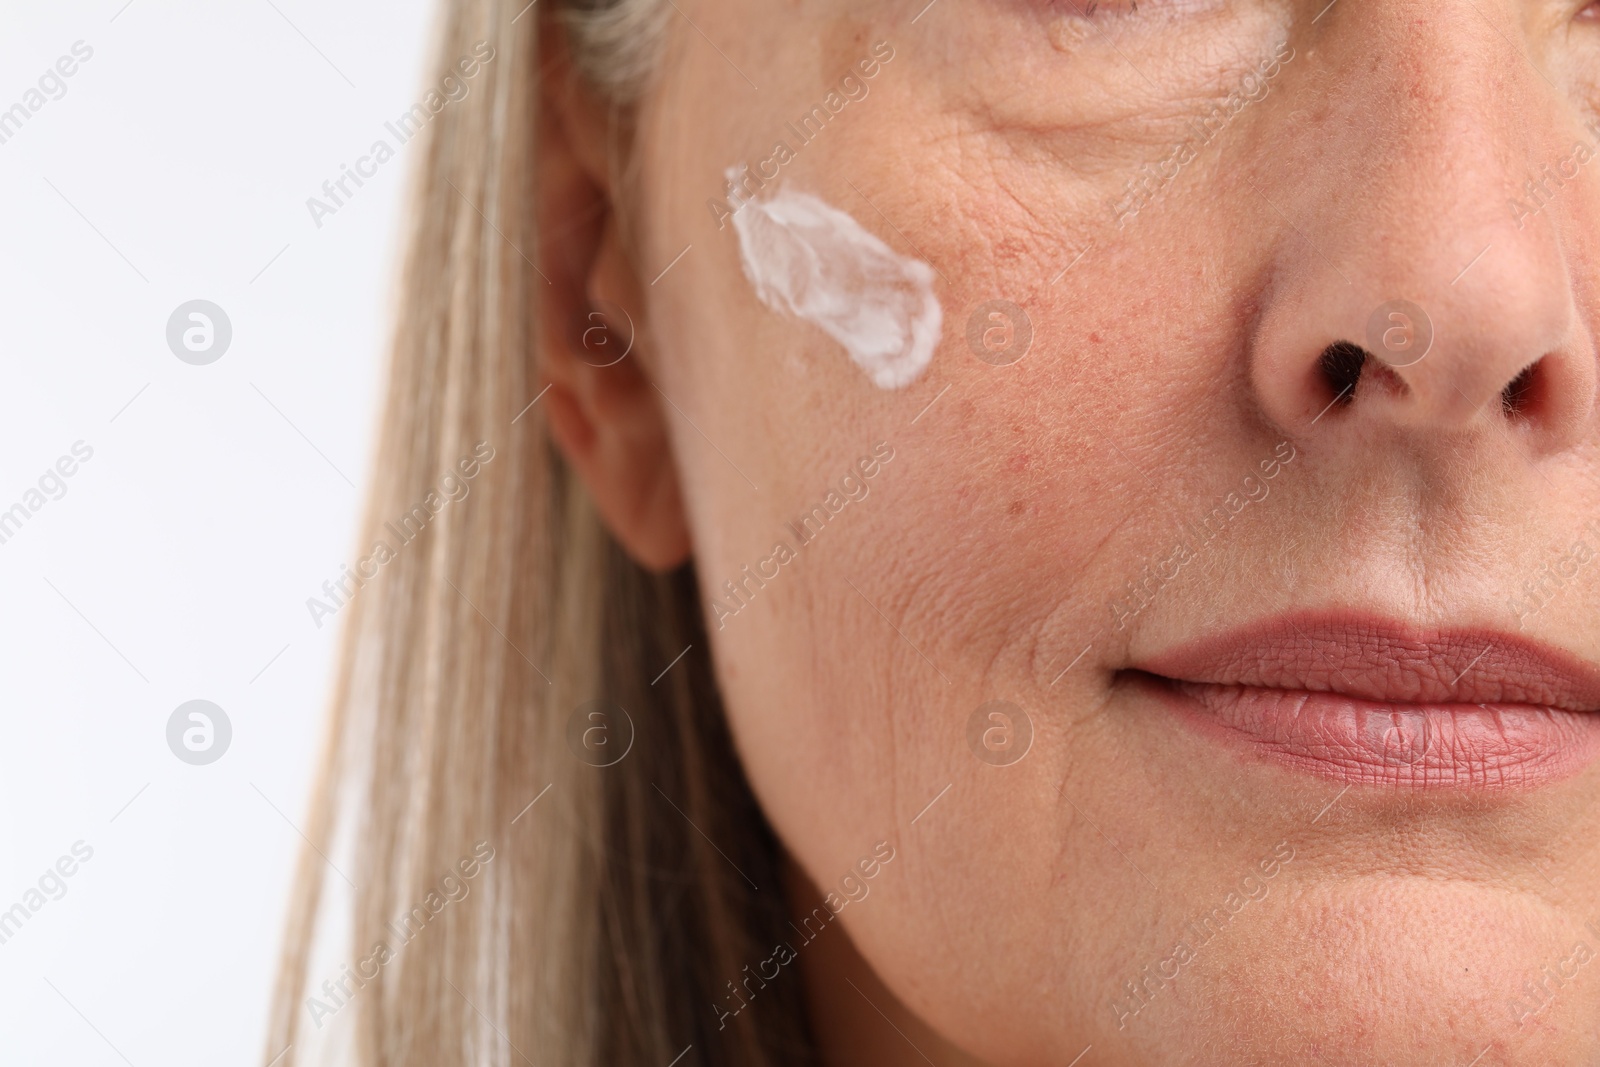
{"points": [[1402, 970]]}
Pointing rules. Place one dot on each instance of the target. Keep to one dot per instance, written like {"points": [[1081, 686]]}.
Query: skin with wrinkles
{"points": [[1173, 351]]}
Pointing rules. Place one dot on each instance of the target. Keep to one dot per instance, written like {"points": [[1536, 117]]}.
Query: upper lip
{"points": [[1372, 658]]}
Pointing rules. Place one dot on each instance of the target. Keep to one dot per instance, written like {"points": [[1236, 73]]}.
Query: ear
{"points": [[603, 411]]}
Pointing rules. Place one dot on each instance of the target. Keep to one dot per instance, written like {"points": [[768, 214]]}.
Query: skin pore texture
{"points": [[1131, 885]]}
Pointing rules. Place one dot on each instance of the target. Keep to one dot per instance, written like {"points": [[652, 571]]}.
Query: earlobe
{"points": [[627, 466], [606, 416], [603, 413]]}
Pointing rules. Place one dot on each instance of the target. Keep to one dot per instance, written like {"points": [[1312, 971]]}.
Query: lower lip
{"points": [[1407, 746]]}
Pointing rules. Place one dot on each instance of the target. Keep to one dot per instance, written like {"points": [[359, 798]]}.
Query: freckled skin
{"points": [[1170, 354]]}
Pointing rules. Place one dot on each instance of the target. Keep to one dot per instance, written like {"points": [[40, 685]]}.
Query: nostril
{"points": [[1517, 397], [1341, 366]]}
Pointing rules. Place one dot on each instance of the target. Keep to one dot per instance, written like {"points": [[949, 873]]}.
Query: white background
{"points": [[178, 563]]}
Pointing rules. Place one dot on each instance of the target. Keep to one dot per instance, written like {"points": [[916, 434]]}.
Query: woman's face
{"points": [[1296, 761]]}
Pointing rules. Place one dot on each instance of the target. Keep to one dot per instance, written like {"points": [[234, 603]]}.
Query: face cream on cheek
{"points": [[813, 261]]}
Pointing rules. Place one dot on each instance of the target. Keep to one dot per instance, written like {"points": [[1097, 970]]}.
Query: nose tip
{"points": [[1399, 290], [1505, 348], [1516, 358], [1346, 367]]}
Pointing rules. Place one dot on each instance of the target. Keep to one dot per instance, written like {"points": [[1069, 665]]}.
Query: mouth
{"points": [[1371, 701]]}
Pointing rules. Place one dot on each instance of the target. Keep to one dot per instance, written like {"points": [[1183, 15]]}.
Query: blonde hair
{"points": [[607, 925]]}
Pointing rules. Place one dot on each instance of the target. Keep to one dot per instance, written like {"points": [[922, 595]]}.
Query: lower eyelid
{"points": [[1097, 8]]}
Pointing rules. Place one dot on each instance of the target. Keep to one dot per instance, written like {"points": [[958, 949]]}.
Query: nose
{"points": [[1413, 284]]}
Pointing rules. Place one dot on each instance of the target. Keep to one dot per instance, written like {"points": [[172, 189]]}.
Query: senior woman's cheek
{"points": [[921, 665], [910, 666]]}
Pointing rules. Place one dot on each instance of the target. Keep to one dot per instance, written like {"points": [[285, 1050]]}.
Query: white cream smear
{"points": [[813, 261]]}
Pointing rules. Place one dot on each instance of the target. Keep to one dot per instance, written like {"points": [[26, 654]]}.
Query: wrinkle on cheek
{"points": [[1007, 229]]}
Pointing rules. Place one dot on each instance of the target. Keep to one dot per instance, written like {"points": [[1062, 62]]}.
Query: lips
{"points": [[1371, 701]]}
